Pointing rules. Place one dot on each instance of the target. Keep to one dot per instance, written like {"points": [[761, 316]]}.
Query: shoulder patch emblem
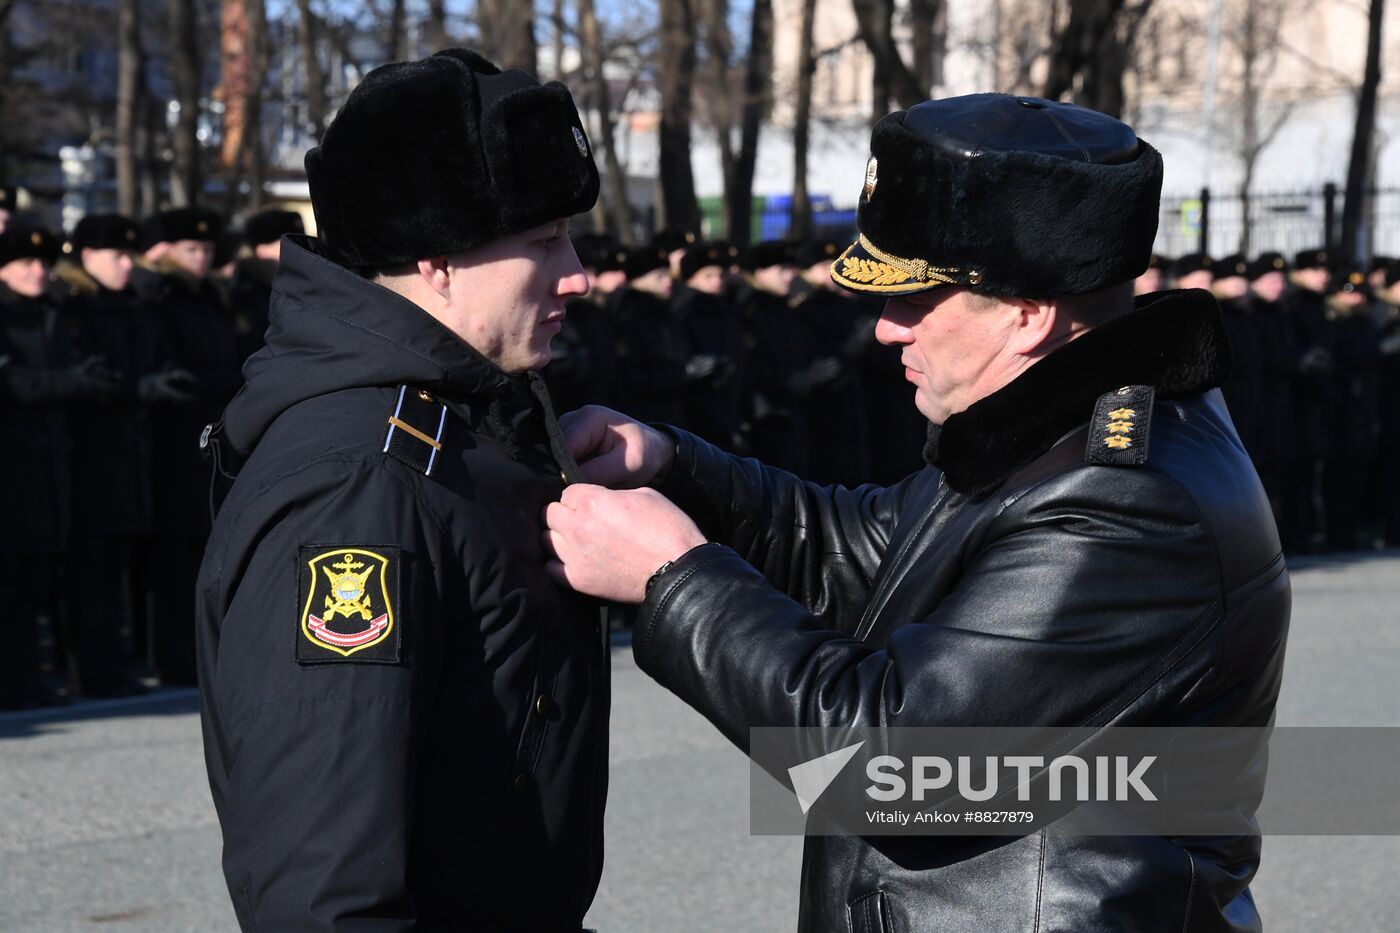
{"points": [[347, 596]]}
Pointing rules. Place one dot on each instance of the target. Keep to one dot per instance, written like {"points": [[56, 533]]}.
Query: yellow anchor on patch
{"points": [[348, 589]]}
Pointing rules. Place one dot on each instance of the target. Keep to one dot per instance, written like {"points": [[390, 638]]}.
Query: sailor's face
{"points": [[510, 294]]}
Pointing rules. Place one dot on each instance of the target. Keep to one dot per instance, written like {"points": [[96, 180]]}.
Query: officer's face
{"points": [[110, 267], [25, 277], [657, 282], [506, 298], [1150, 281], [194, 256], [775, 279], [1201, 278], [1314, 280], [952, 345]]}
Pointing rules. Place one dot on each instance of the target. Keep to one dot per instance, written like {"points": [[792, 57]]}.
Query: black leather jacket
{"points": [[1011, 583], [442, 777]]}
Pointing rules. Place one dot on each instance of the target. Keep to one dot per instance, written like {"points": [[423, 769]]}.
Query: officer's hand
{"points": [[607, 543], [615, 451]]}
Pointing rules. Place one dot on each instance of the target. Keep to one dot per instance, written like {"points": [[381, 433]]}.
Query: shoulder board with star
{"points": [[1119, 430]]}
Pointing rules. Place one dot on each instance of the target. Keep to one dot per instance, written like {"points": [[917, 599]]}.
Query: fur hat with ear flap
{"points": [[1004, 195], [444, 154]]}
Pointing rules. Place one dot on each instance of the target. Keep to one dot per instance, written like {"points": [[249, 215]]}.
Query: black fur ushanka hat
{"points": [[445, 154], [1005, 195]]}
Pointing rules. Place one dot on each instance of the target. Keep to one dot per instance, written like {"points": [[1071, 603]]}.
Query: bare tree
{"points": [[677, 72], [801, 226], [718, 99], [893, 79], [184, 68], [130, 70], [397, 38], [1359, 169], [508, 33], [307, 29], [615, 204], [1254, 34], [1077, 47], [926, 23], [757, 72], [436, 35]]}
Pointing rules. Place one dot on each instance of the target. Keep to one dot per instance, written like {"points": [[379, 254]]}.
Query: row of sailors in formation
{"points": [[1315, 386], [117, 344]]}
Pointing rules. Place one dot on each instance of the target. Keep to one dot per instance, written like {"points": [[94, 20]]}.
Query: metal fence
{"points": [[1283, 221], [1211, 222]]}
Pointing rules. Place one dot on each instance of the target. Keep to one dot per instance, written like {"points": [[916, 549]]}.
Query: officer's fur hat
{"points": [[181, 223], [671, 240], [444, 154], [1005, 195], [1349, 281], [268, 226], [104, 231], [24, 241]]}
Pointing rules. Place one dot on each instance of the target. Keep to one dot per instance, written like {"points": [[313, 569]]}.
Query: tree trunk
{"points": [[721, 49], [130, 62], [397, 37], [756, 86], [234, 65], [617, 210], [894, 79], [315, 78], [508, 33], [557, 27], [261, 56], [184, 67], [1077, 47], [679, 209], [1359, 169], [928, 45], [436, 35], [801, 226]]}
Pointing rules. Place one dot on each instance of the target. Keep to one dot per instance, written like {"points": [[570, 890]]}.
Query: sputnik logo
{"points": [[811, 778]]}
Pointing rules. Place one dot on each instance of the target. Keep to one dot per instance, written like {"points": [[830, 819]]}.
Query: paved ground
{"points": [[105, 820]]}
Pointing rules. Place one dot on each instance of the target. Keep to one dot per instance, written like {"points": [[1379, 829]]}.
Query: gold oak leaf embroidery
{"points": [[1118, 442], [871, 272], [1120, 427], [1122, 414]]}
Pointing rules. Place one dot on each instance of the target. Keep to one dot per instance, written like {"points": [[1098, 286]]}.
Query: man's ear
{"points": [[433, 270], [1033, 327]]}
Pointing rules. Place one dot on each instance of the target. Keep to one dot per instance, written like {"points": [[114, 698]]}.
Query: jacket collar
{"points": [[1174, 341]]}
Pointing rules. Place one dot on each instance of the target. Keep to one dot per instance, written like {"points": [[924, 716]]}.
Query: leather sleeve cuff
{"points": [[668, 584]]}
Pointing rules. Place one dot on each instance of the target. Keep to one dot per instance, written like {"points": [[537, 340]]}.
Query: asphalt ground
{"points": [[106, 822]]}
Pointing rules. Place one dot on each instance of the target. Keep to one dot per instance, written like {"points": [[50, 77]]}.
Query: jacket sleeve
{"points": [[316, 798], [820, 545], [1069, 613]]}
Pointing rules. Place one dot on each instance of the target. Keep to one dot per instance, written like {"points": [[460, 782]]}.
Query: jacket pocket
{"points": [[870, 913]]}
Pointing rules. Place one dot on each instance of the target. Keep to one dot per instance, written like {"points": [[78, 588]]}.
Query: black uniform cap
{"points": [[643, 259], [702, 255], [269, 226], [25, 241], [1382, 264], [671, 240], [1156, 261], [1230, 267], [811, 252], [9, 198], [182, 223], [445, 154], [1312, 259], [1265, 263], [1006, 195], [1191, 262], [768, 253], [105, 231], [1350, 281]]}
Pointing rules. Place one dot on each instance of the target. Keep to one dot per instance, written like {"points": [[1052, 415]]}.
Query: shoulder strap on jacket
{"points": [[415, 429], [1118, 433]]}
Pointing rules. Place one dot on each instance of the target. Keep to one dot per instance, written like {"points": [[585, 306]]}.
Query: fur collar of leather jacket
{"points": [[1174, 341]]}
